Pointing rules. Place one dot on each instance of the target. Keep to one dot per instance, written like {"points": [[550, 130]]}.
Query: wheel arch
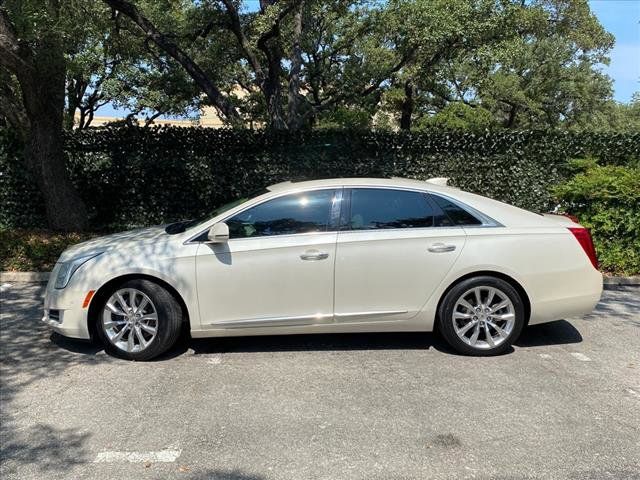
{"points": [[101, 293], [490, 273]]}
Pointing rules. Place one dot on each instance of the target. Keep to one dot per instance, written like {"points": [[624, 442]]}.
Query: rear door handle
{"points": [[441, 248], [314, 255]]}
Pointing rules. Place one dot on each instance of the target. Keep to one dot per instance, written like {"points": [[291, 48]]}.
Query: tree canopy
{"points": [[291, 65], [296, 64]]}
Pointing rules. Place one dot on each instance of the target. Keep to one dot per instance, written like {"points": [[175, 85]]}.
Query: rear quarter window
{"points": [[452, 214]]}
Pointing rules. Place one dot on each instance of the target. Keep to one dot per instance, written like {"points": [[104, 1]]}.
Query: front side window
{"points": [[381, 208], [304, 212]]}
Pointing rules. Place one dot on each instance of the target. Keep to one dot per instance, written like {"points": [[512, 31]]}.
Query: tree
{"points": [[617, 117], [180, 55], [112, 66], [548, 77], [302, 56], [438, 31], [32, 46]]}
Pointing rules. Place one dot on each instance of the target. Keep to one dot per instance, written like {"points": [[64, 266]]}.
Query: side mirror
{"points": [[218, 233]]}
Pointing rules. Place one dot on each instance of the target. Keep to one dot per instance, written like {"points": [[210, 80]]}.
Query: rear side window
{"points": [[452, 214], [380, 208], [287, 215]]}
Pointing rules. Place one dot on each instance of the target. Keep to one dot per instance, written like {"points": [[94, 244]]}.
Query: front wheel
{"points": [[481, 316], [139, 320]]}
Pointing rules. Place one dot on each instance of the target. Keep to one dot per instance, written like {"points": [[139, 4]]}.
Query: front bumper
{"points": [[63, 311], [69, 327]]}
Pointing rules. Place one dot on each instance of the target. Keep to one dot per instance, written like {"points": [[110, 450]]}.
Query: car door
{"points": [[390, 254], [277, 267]]}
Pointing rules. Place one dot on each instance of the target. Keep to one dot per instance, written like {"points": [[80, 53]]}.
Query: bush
{"points": [[606, 198], [25, 250], [21, 204], [131, 176]]}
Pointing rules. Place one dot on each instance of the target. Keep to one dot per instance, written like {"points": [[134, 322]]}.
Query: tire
{"points": [[488, 331], [143, 331]]}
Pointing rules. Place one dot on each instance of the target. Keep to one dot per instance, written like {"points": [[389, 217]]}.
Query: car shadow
{"points": [[560, 332], [321, 342], [75, 345]]}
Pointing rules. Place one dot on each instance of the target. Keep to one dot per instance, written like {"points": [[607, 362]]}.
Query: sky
{"points": [[620, 17]]}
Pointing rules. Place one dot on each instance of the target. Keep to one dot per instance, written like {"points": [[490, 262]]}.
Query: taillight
{"points": [[583, 235]]}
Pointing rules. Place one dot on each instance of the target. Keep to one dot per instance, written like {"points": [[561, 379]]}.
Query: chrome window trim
{"points": [[487, 221], [417, 229]]}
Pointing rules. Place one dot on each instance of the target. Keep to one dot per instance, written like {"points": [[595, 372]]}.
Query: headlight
{"points": [[67, 269]]}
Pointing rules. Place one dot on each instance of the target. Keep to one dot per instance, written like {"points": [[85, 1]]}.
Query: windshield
{"points": [[179, 227]]}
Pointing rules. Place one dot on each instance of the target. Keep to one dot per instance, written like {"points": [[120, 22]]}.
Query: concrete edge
{"points": [[43, 277], [24, 277], [621, 281]]}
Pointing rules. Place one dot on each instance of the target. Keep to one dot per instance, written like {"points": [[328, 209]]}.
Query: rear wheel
{"points": [[482, 316], [139, 320]]}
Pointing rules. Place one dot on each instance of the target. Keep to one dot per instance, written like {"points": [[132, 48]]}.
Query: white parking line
{"points": [[580, 356], [165, 456]]}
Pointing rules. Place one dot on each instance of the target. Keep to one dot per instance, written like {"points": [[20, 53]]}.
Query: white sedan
{"points": [[342, 255]]}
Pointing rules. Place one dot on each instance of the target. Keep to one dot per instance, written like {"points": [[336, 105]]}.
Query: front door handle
{"points": [[441, 248], [314, 255]]}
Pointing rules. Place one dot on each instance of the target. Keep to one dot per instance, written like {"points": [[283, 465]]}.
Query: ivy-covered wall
{"points": [[133, 176]]}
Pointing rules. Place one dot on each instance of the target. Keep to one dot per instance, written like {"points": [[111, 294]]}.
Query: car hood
{"points": [[116, 240]]}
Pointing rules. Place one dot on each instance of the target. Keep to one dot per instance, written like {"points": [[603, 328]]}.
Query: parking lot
{"points": [[565, 403]]}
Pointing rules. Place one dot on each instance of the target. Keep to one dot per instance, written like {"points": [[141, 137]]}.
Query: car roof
{"points": [[361, 182]]}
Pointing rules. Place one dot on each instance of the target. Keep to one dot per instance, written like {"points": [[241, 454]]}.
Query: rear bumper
{"points": [[575, 296]]}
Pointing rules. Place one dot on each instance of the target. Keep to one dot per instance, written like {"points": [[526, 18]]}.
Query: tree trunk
{"points": [[511, 119], [271, 87], [73, 102], [43, 89], [294, 115], [273, 96], [407, 107]]}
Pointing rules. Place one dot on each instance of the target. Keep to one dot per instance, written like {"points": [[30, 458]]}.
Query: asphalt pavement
{"points": [[564, 403]]}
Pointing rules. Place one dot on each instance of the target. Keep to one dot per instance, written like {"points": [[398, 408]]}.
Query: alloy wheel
{"points": [[130, 320], [483, 317]]}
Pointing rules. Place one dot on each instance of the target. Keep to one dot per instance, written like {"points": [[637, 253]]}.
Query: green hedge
{"points": [[606, 198], [137, 176]]}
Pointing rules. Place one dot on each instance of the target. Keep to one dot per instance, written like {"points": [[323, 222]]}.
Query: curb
{"points": [[24, 277], [610, 282], [43, 277]]}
